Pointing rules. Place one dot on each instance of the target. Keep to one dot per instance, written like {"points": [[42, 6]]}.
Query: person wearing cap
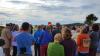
{"points": [[57, 30]]}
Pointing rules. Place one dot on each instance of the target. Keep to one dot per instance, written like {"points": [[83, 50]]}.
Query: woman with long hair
{"points": [[68, 43], [83, 42]]}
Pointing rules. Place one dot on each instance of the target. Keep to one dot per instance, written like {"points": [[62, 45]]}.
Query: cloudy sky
{"points": [[43, 11]]}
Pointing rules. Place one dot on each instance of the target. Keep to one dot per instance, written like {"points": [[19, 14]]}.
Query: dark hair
{"points": [[95, 27], [44, 27], [31, 30], [84, 30], [73, 28], [25, 26], [16, 27], [39, 27], [69, 32], [87, 28], [58, 25], [7, 24]]}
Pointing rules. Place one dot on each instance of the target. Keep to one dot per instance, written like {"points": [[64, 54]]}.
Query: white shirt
{"points": [[14, 34], [74, 34]]}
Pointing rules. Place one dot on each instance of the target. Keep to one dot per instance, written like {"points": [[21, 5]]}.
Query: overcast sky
{"points": [[43, 11]]}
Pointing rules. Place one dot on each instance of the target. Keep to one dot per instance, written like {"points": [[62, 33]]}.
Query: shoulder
{"points": [[19, 35], [63, 41], [54, 31], [36, 31], [29, 35], [80, 36], [5, 30], [51, 43], [73, 40], [92, 33], [60, 45]]}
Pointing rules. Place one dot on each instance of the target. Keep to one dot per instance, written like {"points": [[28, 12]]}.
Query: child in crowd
{"points": [[55, 48]]}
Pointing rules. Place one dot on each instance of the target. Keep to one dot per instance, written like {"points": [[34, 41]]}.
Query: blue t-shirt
{"points": [[24, 40], [37, 35], [46, 37]]}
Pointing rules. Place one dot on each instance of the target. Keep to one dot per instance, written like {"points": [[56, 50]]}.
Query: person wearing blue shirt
{"points": [[95, 37], [24, 41], [37, 36], [44, 41]]}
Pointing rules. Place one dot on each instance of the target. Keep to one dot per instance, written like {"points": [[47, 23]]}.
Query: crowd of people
{"points": [[50, 40]]}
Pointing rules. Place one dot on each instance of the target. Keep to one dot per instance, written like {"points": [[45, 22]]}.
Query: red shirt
{"points": [[80, 39]]}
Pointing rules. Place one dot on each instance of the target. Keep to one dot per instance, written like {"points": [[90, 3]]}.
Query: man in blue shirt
{"points": [[24, 41], [37, 35], [44, 40]]}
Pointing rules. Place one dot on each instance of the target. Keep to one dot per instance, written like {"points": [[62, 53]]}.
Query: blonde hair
{"points": [[57, 37]]}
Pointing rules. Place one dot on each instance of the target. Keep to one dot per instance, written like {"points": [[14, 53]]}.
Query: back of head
{"points": [[39, 27], [84, 30], [58, 25], [57, 37], [66, 33], [95, 27], [25, 26], [8, 26], [44, 27], [16, 27], [73, 28]]}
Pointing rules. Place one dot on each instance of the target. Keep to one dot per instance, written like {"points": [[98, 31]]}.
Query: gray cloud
{"points": [[7, 14], [18, 2], [70, 11]]}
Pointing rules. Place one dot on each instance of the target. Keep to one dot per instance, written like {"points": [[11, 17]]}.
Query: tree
{"points": [[90, 19]]}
